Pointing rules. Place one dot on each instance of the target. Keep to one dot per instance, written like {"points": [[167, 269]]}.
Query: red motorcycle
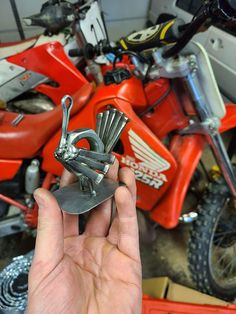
{"points": [[36, 73], [174, 112]]}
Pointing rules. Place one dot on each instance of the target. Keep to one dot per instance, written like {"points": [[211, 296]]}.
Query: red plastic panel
{"points": [[9, 168], [229, 120], [187, 151], [159, 306], [168, 114], [51, 61]]}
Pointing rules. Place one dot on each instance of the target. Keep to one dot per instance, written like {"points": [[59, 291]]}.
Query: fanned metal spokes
{"points": [[110, 124], [97, 156]]}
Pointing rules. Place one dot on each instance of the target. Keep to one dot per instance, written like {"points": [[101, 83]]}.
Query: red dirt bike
{"points": [[174, 112], [36, 73]]}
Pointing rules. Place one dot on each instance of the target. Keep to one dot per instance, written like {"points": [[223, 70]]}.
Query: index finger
{"points": [[128, 235], [70, 222]]}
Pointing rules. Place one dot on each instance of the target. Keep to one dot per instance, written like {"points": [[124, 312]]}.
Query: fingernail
{"points": [[39, 199]]}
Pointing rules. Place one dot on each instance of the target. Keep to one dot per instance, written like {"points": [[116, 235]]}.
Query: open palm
{"points": [[96, 272]]}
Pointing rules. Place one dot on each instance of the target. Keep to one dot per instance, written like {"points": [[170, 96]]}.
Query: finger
{"points": [[71, 222], [67, 178], [126, 176], [71, 225], [49, 242], [114, 231], [100, 217], [128, 237], [113, 171]]}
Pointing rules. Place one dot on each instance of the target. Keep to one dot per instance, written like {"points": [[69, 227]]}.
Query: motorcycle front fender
{"points": [[229, 120], [187, 151]]}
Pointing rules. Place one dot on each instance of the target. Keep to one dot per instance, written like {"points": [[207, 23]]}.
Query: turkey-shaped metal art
{"points": [[90, 166]]}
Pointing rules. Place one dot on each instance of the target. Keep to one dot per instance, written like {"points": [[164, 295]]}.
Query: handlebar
{"points": [[212, 13], [175, 31], [90, 51]]}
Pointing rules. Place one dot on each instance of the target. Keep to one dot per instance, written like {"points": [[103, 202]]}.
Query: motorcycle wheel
{"points": [[212, 243]]}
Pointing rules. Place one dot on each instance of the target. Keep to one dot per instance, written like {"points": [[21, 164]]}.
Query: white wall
{"points": [[122, 17], [8, 26], [8, 29]]}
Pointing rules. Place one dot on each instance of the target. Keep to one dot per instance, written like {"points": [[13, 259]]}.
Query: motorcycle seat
{"points": [[9, 49], [27, 138]]}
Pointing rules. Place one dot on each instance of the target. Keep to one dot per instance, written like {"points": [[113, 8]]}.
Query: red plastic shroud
{"points": [[51, 61]]}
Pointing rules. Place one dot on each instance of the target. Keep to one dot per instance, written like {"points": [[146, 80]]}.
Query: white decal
{"points": [[142, 151], [143, 35], [149, 169]]}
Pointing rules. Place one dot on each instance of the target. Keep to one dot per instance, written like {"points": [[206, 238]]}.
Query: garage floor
{"points": [[166, 255]]}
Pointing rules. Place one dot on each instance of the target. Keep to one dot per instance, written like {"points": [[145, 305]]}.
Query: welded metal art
{"points": [[88, 165]]}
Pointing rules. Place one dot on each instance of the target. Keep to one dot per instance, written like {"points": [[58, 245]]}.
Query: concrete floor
{"points": [[164, 252]]}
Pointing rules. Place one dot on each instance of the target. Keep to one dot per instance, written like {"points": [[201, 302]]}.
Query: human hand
{"points": [[96, 272]]}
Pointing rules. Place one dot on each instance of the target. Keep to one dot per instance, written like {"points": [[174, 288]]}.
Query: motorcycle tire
{"points": [[206, 247]]}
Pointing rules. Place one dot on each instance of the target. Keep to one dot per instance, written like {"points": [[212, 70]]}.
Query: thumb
{"points": [[49, 248]]}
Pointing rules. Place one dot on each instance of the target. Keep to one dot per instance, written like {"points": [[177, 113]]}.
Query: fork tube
{"points": [[214, 137], [223, 160]]}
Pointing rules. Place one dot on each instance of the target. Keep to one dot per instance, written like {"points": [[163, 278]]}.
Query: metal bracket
{"points": [[208, 127], [12, 225], [173, 68]]}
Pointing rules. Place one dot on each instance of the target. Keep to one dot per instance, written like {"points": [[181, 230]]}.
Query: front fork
{"points": [[210, 128]]}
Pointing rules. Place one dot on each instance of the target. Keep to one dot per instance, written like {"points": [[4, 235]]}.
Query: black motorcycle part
{"points": [[204, 241], [116, 76]]}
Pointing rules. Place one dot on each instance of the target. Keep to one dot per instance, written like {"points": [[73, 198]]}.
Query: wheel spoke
{"points": [[217, 249], [222, 257], [219, 242], [224, 270], [224, 233]]}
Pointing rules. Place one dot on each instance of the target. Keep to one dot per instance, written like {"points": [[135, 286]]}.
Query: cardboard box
{"points": [[164, 288]]}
